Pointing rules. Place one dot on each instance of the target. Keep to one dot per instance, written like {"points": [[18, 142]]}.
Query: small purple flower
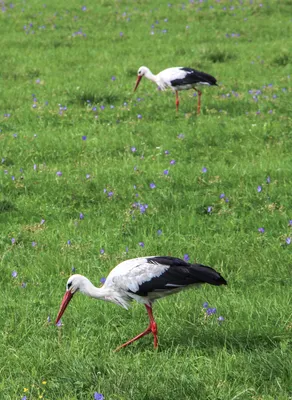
{"points": [[101, 251], [172, 162], [42, 221], [211, 311], [13, 240], [139, 116], [13, 177], [110, 194], [121, 34], [209, 209], [268, 180], [59, 324], [159, 232], [49, 319], [204, 170], [220, 319], [205, 305], [84, 137], [24, 398], [290, 222], [14, 274], [73, 269], [165, 172], [270, 111], [133, 149], [186, 257], [35, 167], [87, 176], [152, 185], [69, 242], [33, 244], [104, 190], [222, 195], [259, 189], [102, 107], [114, 78], [93, 108], [288, 240], [81, 216], [166, 152], [98, 396], [59, 173], [181, 136], [141, 244], [102, 280], [261, 230], [83, 8]]}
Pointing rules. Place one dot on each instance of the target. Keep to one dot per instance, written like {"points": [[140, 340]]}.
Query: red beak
{"points": [[66, 299], [139, 77]]}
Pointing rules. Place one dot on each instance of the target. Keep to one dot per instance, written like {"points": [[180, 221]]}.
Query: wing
{"points": [[189, 76], [157, 274]]}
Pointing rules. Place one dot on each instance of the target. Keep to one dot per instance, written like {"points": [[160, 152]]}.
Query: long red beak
{"points": [[139, 77], [66, 300]]}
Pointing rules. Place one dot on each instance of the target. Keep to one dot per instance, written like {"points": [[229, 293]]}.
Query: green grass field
{"points": [[67, 71]]}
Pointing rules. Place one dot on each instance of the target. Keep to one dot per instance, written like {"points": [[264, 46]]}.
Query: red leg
{"points": [[176, 103], [151, 328], [199, 100]]}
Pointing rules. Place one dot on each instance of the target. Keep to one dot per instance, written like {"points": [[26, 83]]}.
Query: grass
{"points": [[241, 141]]}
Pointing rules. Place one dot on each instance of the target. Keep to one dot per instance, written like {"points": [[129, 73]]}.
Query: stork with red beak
{"points": [[178, 78], [144, 279]]}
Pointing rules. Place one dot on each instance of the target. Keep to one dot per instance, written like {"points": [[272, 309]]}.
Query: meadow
{"points": [[92, 174]]}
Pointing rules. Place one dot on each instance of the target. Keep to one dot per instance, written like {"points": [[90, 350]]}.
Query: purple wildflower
{"points": [[73, 269], [211, 311], [152, 185], [13, 240], [24, 398], [84, 137], [121, 34], [69, 242], [42, 221], [81, 216], [49, 319], [33, 244], [83, 8], [35, 167], [59, 324], [102, 280], [222, 195], [181, 136], [261, 230], [159, 232], [172, 162], [141, 244], [209, 209], [259, 189], [290, 222], [110, 194], [220, 319], [59, 173], [114, 78], [93, 108], [288, 240], [98, 396], [14, 274], [204, 170], [165, 172], [13, 177], [133, 149], [186, 257], [205, 305], [268, 180], [102, 107], [166, 152], [139, 116], [101, 251]]}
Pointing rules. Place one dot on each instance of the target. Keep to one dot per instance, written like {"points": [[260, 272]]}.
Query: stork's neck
{"points": [[150, 76], [92, 291]]}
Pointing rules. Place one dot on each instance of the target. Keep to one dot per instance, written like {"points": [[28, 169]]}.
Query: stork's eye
{"points": [[69, 285]]}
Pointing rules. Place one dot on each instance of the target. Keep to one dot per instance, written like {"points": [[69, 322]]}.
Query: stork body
{"points": [[178, 78], [144, 279]]}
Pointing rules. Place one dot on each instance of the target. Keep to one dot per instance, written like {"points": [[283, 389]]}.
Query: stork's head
{"points": [[74, 284], [141, 72]]}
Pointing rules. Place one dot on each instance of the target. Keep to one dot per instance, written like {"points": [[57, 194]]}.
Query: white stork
{"points": [[145, 280], [178, 78]]}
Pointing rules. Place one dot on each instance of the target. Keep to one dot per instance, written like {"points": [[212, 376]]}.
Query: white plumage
{"points": [[144, 279]]}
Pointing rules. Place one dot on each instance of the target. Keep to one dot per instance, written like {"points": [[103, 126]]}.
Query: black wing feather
{"points": [[179, 274], [194, 77]]}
